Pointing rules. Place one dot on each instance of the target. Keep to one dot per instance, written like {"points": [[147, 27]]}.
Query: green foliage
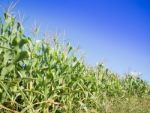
{"points": [[36, 77]]}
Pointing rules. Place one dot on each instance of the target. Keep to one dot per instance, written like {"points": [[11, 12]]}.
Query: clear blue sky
{"points": [[114, 31]]}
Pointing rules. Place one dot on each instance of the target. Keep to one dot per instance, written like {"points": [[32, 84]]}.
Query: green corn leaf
{"points": [[7, 69], [22, 55], [23, 41]]}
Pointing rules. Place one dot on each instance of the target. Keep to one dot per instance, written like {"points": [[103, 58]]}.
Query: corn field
{"points": [[45, 77]]}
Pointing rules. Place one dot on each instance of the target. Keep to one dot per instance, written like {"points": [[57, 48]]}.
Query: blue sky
{"points": [[116, 32]]}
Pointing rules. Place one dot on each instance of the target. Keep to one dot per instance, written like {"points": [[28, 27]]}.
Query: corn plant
{"points": [[38, 77]]}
